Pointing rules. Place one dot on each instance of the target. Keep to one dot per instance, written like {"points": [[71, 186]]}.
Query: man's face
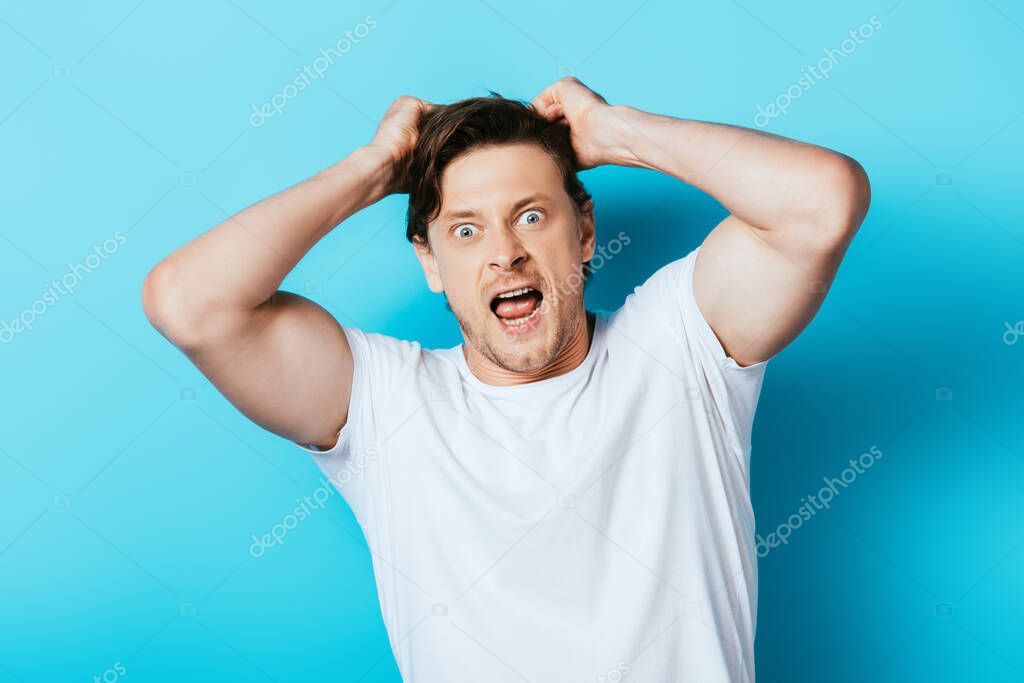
{"points": [[506, 224]]}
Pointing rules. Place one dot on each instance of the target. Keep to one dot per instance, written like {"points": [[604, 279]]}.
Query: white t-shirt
{"points": [[592, 526]]}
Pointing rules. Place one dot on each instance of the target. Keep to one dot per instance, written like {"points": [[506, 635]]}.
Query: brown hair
{"points": [[448, 131]]}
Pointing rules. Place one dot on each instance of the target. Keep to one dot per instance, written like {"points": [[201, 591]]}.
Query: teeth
{"points": [[515, 322], [515, 292]]}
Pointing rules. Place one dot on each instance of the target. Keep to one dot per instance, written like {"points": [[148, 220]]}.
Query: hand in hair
{"points": [[598, 134], [396, 137]]}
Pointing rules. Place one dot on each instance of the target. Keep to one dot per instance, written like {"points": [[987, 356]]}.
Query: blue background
{"points": [[129, 489]]}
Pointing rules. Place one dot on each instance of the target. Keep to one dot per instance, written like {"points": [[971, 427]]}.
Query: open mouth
{"points": [[518, 309]]}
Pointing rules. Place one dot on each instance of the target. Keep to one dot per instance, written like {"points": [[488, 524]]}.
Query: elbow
{"points": [[154, 294], [165, 305], [846, 191]]}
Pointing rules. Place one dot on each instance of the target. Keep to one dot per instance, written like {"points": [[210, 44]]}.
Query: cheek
{"points": [[458, 276], [564, 249]]}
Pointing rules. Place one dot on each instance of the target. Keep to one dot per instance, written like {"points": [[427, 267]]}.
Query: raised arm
{"points": [[762, 273], [278, 357]]}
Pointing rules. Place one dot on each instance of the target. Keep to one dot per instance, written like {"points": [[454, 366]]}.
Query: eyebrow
{"points": [[471, 213]]}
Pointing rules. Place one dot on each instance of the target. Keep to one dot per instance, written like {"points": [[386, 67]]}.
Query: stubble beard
{"points": [[563, 318]]}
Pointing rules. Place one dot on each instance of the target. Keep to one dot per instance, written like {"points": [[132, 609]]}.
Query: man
{"points": [[564, 496]]}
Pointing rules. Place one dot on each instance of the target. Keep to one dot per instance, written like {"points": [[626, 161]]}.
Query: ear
{"points": [[587, 230], [429, 263]]}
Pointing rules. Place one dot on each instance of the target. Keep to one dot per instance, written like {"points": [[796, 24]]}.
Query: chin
{"points": [[523, 359], [533, 351], [524, 350]]}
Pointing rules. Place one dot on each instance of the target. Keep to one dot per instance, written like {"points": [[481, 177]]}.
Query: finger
{"points": [[548, 107], [540, 105], [545, 100], [577, 94], [556, 112]]}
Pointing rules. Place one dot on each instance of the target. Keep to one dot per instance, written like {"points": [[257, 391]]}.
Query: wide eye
{"points": [[530, 217], [465, 230]]}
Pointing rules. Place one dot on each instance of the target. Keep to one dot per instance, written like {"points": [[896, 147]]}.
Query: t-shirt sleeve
{"points": [[666, 299], [347, 464]]}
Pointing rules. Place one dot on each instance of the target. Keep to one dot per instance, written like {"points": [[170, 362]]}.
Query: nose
{"points": [[507, 249]]}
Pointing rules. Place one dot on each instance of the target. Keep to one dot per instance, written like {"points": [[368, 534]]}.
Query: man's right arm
{"points": [[279, 358]]}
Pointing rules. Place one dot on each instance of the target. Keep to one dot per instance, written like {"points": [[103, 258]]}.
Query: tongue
{"points": [[517, 306]]}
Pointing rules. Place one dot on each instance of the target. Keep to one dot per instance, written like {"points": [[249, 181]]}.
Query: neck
{"points": [[570, 358]]}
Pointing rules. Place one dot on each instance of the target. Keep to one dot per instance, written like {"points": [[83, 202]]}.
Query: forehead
{"points": [[498, 175]]}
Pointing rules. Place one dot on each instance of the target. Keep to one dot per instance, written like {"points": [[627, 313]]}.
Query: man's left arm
{"points": [[762, 273]]}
